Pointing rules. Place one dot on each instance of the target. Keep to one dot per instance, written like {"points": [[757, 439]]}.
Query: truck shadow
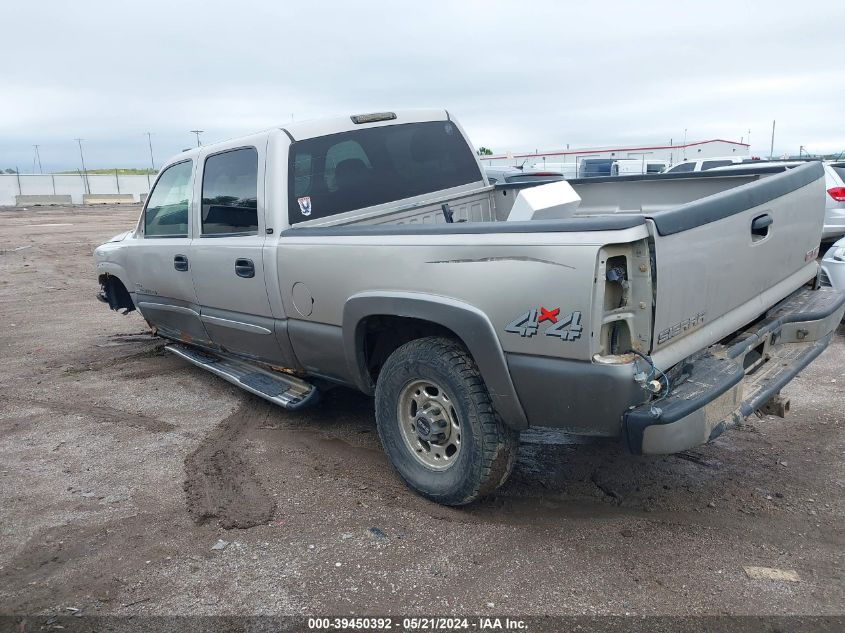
{"points": [[581, 472], [553, 469]]}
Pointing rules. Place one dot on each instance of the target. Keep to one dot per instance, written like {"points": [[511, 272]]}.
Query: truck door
{"points": [[159, 265], [227, 253]]}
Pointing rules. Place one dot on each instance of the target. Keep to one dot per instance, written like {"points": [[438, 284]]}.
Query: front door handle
{"points": [[244, 268], [180, 262]]}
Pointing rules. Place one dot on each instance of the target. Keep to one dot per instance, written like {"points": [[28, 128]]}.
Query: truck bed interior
{"points": [[667, 198]]}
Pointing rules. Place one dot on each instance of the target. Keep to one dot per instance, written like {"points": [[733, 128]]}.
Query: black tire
{"points": [[488, 448]]}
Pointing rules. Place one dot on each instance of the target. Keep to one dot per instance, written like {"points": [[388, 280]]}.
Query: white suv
{"points": [[703, 164]]}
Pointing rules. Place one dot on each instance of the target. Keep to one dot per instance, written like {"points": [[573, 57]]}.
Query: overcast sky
{"points": [[518, 75]]}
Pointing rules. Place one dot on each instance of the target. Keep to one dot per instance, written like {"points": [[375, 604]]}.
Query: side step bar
{"points": [[287, 391]]}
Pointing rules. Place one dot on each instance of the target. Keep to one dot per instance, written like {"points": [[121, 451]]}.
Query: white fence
{"points": [[72, 185]]}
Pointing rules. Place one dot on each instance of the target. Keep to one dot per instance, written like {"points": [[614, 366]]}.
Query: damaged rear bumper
{"points": [[727, 383]]}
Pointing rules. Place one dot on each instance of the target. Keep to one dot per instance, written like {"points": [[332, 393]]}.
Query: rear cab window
{"points": [[166, 213], [363, 168], [230, 193]]}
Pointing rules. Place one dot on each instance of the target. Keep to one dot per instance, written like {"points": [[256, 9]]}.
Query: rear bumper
{"points": [[727, 383]]}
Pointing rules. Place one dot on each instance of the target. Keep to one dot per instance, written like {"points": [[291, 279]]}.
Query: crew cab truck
{"points": [[371, 252]]}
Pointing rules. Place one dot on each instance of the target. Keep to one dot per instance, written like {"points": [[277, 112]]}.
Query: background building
{"points": [[670, 153]]}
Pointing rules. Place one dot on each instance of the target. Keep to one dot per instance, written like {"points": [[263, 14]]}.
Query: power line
{"points": [[150, 141], [38, 157], [772, 146], [84, 171]]}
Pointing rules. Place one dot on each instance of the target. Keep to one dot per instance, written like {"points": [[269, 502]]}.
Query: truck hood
{"points": [[119, 237]]}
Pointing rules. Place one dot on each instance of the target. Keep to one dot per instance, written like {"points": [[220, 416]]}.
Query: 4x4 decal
{"points": [[566, 328]]}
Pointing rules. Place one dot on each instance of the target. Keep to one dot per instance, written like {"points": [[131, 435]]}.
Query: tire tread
{"points": [[498, 443]]}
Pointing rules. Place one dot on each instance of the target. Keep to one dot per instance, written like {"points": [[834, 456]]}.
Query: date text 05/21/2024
{"points": [[423, 624]]}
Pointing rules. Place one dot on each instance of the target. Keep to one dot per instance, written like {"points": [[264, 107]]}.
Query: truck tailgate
{"points": [[723, 260]]}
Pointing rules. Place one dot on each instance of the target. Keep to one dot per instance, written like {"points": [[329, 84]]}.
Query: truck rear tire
{"points": [[437, 423]]}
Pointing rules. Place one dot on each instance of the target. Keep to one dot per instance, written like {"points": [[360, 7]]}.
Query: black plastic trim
{"points": [[568, 225], [732, 201]]}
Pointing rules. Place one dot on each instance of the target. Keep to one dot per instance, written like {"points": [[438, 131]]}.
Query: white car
{"points": [[833, 266], [703, 164], [834, 217]]}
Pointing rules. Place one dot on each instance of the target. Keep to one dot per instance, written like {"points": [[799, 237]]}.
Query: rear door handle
{"points": [[180, 262], [760, 225], [244, 268]]}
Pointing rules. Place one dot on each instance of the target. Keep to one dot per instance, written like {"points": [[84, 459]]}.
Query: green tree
{"points": [[485, 151]]}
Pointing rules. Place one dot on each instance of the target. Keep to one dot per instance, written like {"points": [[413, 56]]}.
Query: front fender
{"points": [[115, 270], [469, 323]]}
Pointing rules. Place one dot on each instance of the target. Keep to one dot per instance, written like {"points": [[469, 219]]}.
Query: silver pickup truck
{"points": [[371, 252]]}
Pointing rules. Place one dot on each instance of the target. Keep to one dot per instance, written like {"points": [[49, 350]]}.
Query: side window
{"points": [[683, 167], [166, 214], [230, 193]]}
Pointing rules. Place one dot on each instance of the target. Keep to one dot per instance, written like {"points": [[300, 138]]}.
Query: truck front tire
{"points": [[437, 423]]}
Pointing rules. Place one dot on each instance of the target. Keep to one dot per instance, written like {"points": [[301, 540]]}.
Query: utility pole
{"points": [[38, 158], [150, 142], [197, 132], [685, 143], [772, 147], [84, 171]]}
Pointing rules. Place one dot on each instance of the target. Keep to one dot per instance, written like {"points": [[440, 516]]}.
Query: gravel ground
{"points": [[121, 467]]}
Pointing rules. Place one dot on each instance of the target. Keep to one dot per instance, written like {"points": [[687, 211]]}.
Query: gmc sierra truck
{"points": [[371, 252]]}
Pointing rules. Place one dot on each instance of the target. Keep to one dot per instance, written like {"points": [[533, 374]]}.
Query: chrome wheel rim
{"points": [[429, 424]]}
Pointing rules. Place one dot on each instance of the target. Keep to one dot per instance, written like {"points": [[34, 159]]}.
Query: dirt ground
{"points": [[121, 466]]}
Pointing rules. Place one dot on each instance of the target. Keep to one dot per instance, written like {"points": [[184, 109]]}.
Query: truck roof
{"points": [[333, 125], [310, 128]]}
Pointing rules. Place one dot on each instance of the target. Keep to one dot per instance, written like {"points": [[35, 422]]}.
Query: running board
{"points": [[287, 391]]}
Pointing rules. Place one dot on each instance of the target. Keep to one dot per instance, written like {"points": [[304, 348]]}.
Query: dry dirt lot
{"points": [[121, 466]]}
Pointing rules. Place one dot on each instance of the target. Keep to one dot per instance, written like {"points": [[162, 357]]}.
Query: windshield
{"points": [[367, 167]]}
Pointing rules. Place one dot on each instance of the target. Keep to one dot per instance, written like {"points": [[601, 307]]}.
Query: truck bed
{"points": [[648, 195]]}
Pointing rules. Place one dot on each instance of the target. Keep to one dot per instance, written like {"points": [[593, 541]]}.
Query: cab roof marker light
{"points": [[372, 117]]}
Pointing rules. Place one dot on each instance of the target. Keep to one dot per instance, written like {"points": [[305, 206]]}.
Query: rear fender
{"points": [[468, 323]]}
